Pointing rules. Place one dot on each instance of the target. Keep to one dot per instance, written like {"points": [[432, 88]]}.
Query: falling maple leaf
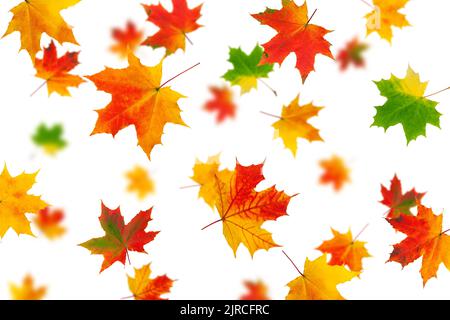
{"points": [[137, 99], [174, 26], [295, 34], [139, 181], [318, 281], [144, 288], [27, 290], [385, 16], [256, 291], [352, 53], [49, 138], [49, 220], [32, 18], [55, 70], [398, 202], [243, 210], [406, 105], [247, 69], [205, 175], [335, 172], [15, 202], [425, 239], [128, 40], [222, 103], [345, 250], [120, 238], [294, 124]]}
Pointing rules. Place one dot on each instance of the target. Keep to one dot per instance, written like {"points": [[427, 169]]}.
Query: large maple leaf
{"points": [[32, 18], [242, 209], [318, 281], [55, 71], [15, 202], [425, 239], [345, 250], [406, 105], [144, 288], [119, 237], [293, 124], [295, 34], [385, 16], [174, 26], [398, 202], [137, 99], [247, 68], [27, 290]]}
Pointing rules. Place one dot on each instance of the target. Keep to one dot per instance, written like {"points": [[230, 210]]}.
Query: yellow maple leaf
{"points": [[318, 281], [385, 16], [32, 18], [140, 182], [144, 288], [294, 124], [205, 174], [27, 291], [15, 202]]}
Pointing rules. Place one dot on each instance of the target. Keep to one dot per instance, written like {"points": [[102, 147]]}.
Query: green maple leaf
{"points": [[246, 68], [406, 105], [50, 138]]}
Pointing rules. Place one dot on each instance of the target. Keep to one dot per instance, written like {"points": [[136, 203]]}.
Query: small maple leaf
{"points": [[385, 16], [32, 18], [128, 40], [120, 238], [398, 202], [144, 288], [49, 138], [352, 53], [243, 210], [345, 250], [174, 26], [256, 291], [222, 103], [335, 172], [318, 281], [205, 175], [137, 99], [27, 291], [49, 220], [140, 182], [247, 69], [295, 34], [406, 105], [294, 124], [55, 70], [15, 202], [425, 239]]}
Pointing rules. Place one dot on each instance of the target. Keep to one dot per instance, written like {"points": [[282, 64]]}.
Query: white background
{"points": [[92, 167]]}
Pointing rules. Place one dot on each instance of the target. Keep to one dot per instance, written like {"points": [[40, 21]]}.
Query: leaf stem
{"points": [[39, 88], [310, 18], [366, 2], [187, 38], [195, 65], [296, 268], [362, 230], [191, 186], [269, 87], [212, 223], [271, 115], [440, 91]]}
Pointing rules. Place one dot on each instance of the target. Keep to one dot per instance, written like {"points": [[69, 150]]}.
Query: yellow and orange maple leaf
{"points": [[140, 182], [27, 290], [144, 288], [335, 172]]}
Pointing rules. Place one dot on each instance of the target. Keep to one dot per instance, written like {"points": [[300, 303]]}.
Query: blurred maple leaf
{"points": [[128, 40], [140, 182], [222, 103], [335, 172], [144, 288], [49, 138], [49, 220], [352, 53], [15, 202], [295, 34], [27, 291], [174, 26], [256, 291], [32, 18], [120, 238]]}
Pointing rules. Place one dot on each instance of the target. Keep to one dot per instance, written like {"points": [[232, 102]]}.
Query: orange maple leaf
{"points": [[144, 288], [295, 34], [256, 291], [27, 291], [222, 103], [425, 239], [140, 182], [242, 209], [174, 25], [335, 172], [128, 40], [55, 71], [48, 220], [138, 99], [345, 250]]}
